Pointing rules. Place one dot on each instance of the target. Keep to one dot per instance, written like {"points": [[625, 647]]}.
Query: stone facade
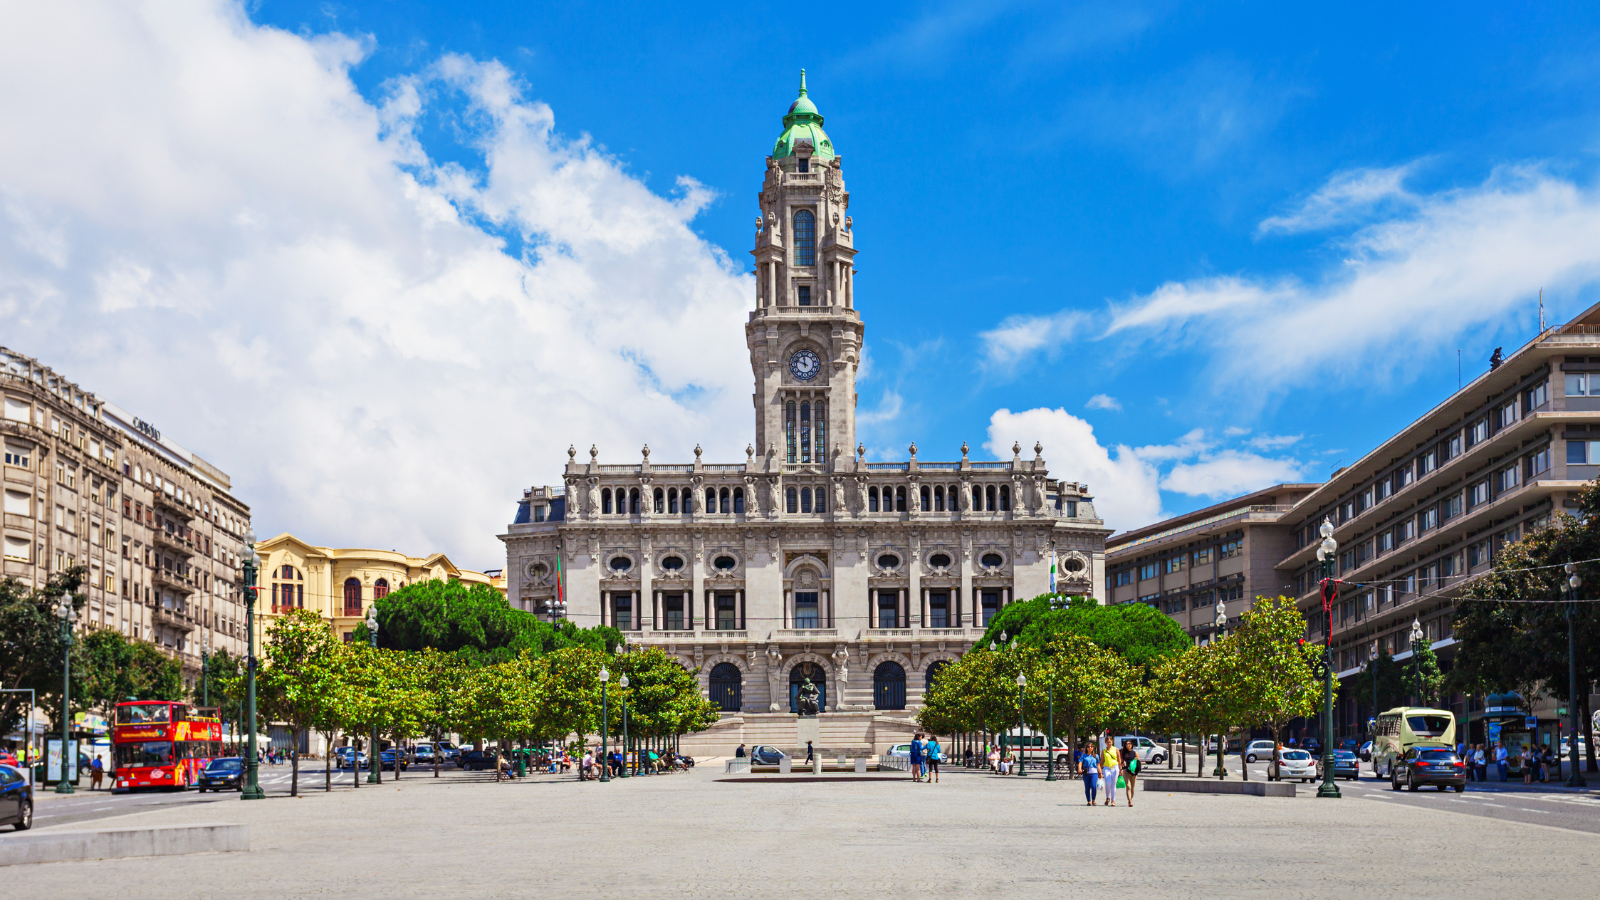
{"points": [[804, 559]]}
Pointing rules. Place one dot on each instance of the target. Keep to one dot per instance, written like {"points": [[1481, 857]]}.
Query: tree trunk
{"points": [[436, 754], [355, 763], [1244, 744], [1587, 728], [294, 764], [327, 761], [1274, 770], [1200, 766]]}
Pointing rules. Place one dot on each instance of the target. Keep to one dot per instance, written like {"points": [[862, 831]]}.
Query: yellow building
{"points": [[339, 585]]}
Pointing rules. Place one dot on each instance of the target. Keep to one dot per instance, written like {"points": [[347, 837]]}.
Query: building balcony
{"points": [[791, 634], [172, 506], [172, 618], [175, 582], [171, 541]]}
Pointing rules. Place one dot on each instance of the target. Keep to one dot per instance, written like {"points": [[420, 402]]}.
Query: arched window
{"points": [[805, 432], [352, 596], [788, 429], [819, 412], [800, 673], [889, 686], [805, 500], [672, 500], [605, 500], [723, 497], [934, 669], [661, 500], [872, 499], [805, 238], [927, 498], [1005, 498], [791, 500], [938, 498], [633, 501], [821, 505], [380, 589], [900, 499], [988, 493], [738, 501], [726, 685], [711, 500]]}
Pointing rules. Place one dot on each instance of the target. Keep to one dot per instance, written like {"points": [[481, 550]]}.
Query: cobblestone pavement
{"points": [[973, 835]]}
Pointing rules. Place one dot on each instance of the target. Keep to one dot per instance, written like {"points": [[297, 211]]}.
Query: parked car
{"points": [[16, 798], [1258, 750], [7, 758], [1428, 764], [423, 754], [346, 758], [478, 760], [448, 752], [1346, 765], [226, 772], [765, 755], [1295, 764], [388, 758], [1150, 752]]}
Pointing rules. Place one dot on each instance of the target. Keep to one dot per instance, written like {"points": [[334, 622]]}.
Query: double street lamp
{"points": [[623, 683], [1220, 620], [205, 668], [1327, 552], [1022, 767], [63, 786], [1573, 581], [376, 775], [252, 783], [1417, 638], [605, 727]]}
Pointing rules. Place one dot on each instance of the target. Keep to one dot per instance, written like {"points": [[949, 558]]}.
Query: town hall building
{"points": [[803, 561]]}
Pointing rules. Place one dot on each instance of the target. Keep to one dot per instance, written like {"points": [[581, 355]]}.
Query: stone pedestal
{"points": [[861, 765], [785, 765], [807, 728]]}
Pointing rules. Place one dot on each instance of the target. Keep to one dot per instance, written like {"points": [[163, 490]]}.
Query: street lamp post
{"points": [[376, 775], [1327, 552], [252, 762], [605, 727], [63, 786], [205, 669], [1372, 666], [1576, 779], [1221, 623], [623, 683], [1416, 660], [1050, 734], [1022, 682]]}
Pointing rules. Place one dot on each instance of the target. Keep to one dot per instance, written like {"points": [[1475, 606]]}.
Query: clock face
{"points": [[805, 365]]}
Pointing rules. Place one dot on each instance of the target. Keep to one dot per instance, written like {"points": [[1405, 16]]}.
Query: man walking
{"points": [[808, 751]]}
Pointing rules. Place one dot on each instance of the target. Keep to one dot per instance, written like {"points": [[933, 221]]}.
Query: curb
{"points": [[117, 843], [1208, 786]]}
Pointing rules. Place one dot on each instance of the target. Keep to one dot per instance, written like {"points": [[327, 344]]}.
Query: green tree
{"points": [[109, 668], [1137, 631], [474, 622], [31, 644], [302, 682], [663, 697], [1278, 683], [571, 702], [1391, 683]]}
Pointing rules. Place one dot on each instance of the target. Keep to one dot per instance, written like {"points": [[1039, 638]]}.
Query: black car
{"points": [[1422, 765], [386, 759], [225, 773], [478, 760], [16, 798], [1346, 765]]}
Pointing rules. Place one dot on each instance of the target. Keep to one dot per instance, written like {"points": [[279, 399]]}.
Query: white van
{"points": [[1398, 730]]}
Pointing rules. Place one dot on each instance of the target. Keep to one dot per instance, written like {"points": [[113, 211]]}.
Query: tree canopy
{"points": [[476, 623], [1138, 633]]}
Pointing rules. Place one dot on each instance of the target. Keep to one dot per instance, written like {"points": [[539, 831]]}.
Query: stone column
{"points": [[902, 615]]}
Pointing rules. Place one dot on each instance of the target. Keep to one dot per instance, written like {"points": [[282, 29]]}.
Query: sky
{"points": [[384, 262]]}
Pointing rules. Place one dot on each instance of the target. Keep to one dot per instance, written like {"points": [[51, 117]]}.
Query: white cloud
{"points": [[1124, 485], [1104, 401], [1274, 441], [1228, 473], [1345, 196], [203, 221], [1019, 337]]}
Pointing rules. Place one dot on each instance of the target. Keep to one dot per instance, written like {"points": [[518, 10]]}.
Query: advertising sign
{"points": [[1493, 733], [1531, 723], [52, 761]]}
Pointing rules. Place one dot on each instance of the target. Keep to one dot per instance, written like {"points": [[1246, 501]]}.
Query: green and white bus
{"points": [[1399, 729]]}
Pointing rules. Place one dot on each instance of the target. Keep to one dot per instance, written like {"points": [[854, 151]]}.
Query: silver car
{"points": [[1297, 764]]}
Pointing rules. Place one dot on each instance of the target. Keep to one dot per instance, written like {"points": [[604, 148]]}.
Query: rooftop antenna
{"points": [[1541, 310]]}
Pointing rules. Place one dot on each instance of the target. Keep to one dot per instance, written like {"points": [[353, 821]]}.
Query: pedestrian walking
{"points": [[916, 757], [1130, 768], [935, 755], [1089, 764], [808, 751], [1483, 763], [1502, 759], [1110, 764]]}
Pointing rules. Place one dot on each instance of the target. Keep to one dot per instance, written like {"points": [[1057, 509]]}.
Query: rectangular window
{"points": [[1477, 432], [17, 549], [1230, 549], [1125, 577], [1536, 396], [1538, 462], [1366, 500], [1175, 564], [938, 609], [1428, 462], [1202, 557], [1508, 414], [1583, 452], [672, 610], [1478, 493], [805, 609], [1509, 477], [1384, 488], [888, 610], [1348, 511], [1404, 477], [1147, 571], [1579, 385], [1450, 507], [991, 603], [727, 620], [1452, 447], [622, 611], [1478, 554], [804, 293], [19, 503], [1427, 519], [16, 410], [1386, 542], [1447, 567]]}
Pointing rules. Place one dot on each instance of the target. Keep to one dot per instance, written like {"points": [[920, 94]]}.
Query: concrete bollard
{"points": [[816, 765], [785, 765], [861, 765]]}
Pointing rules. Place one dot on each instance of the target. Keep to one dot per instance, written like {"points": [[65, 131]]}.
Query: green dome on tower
{"points": [[803, 123]]}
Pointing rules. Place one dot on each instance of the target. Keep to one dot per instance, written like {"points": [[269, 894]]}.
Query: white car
{"points": [[1258, 750], [1296, 764], [1150, 752]]}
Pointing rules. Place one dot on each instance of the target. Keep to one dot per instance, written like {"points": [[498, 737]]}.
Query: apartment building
{"points": [[1227, 552], [157, 528]]}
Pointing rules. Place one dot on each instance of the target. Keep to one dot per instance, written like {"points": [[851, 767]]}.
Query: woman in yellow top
{"points": [[1111, 762]]}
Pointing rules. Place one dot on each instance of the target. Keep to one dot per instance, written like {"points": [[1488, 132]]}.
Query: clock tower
{"points": [[804, 333]]}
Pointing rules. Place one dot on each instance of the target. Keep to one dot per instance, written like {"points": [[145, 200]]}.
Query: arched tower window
{"points": [[352, 596], [900, 499], [661, 501], [1005, 498], [788, 428], [672, 500], [605, 500], [723, 498], [805, 432], [872, 499], [927, 498], [819, 412], [726, 687], [380, 589], [805, 238], [633, 501], [822, 503], [805, 500], [938, 498], [791, 500], [738, 501], [889, 686], [988, 493]]}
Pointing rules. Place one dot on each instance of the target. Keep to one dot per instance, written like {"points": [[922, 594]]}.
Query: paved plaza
{"points": [[695, 835]]}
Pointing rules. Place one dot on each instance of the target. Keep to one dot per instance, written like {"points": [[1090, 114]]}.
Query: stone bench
{"points": [[1214, 786], [117, 843]]}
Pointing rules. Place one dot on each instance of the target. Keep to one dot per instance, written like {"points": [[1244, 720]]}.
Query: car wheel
{"points": [[26, 822], [201, 789], [1460, 788], [1394, 780], [1250, 758], [1411, 782]]}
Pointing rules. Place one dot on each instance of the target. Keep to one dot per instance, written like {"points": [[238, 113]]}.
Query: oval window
{"points": [[621, 564], [939, 560], [725, 563], [1073, 565], [539, 570], [889, 561], [992, 561], [672, 563]]}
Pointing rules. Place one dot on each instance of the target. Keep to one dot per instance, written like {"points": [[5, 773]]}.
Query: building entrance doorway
{"points": [[819, 678]]}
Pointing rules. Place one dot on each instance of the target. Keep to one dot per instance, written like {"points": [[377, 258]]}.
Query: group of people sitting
{"points": [[648, 761]]}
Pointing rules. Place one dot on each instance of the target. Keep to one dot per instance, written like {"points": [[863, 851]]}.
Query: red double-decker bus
{"points": [[163, 743]]}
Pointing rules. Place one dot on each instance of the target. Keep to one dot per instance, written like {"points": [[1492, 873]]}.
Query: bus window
{"points": [[143, 714], [1428, 726], [143, 754]]}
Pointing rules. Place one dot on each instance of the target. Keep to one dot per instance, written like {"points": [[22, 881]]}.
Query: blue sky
{"points": [[1195, 249]]}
